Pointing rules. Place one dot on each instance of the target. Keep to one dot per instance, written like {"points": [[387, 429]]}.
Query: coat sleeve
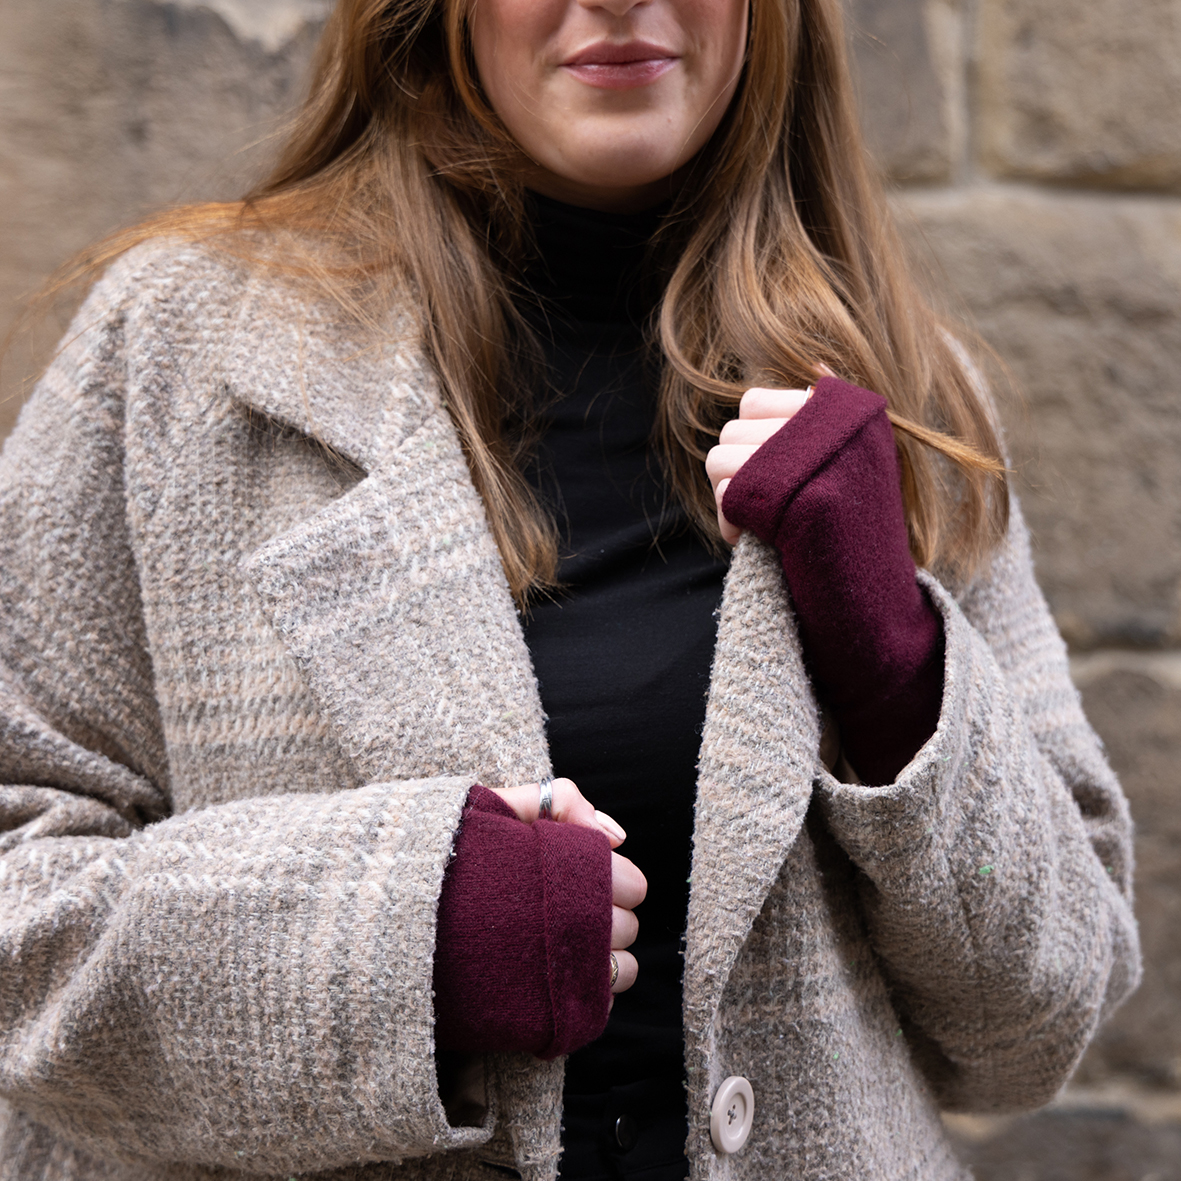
{"points": [[246, 986], [996, 869]]}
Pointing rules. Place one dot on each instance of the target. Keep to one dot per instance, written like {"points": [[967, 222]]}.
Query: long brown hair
{"points": [[397, 176]]}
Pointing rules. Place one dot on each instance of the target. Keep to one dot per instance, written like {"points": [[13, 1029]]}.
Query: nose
{"points": [[614, 7]]}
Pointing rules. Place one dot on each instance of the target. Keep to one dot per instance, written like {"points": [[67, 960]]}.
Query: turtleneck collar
{"points": [[590, 264]]}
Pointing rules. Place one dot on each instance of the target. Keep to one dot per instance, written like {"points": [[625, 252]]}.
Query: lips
{"points": [[611, 66]]}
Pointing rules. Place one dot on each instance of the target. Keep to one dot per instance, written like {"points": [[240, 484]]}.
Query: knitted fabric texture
{"points": [[524, 934], [825, 491], [256, 645]]}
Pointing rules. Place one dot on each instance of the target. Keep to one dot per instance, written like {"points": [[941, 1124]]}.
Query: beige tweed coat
{"points": [[255, 646]]}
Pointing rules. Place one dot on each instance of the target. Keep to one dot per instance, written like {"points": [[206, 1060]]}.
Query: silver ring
{"points": [[545, 800], [614, 970]]}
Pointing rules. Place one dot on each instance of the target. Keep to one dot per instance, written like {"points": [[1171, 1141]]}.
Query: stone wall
{"points": [[1035, 149], [110, 109]]}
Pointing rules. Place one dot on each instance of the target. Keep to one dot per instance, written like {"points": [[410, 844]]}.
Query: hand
{"points": [[761, 414], [628, 884]]}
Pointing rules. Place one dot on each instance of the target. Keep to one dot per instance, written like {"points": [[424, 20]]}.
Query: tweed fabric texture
{"points": [[256, 646]]}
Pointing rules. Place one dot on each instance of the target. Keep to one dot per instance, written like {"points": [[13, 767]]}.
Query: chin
{"points": [[631, 170]]}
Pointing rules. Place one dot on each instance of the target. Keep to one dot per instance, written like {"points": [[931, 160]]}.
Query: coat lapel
{"points": [[759, 755], [392, 597], [361, 391]]}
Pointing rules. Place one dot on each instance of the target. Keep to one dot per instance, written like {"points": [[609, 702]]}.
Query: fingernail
{"points": [[610, 826]]}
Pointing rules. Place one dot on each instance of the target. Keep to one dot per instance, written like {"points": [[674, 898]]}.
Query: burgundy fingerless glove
{"points": [[523, 945], [825, 491]]}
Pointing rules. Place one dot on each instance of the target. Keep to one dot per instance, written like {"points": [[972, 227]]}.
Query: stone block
{"points": [[906, 63], [1081, 297], [272, 23], [114, 108], [1134, 701], [1084, 92]]}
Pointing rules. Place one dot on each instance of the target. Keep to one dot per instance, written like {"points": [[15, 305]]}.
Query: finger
{"points": [[612, 828], [763, 403], [624, 927], [628, 971], [751, 430], [525, 799], [628, 885], [730, 533], [824, 370], [570, 806], [522, 800], [723, 461]]}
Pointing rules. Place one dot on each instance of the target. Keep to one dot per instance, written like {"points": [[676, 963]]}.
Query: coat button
{"points": [[626, 1133], [732, 1114]]}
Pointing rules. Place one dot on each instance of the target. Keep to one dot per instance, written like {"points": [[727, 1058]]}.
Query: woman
{"points": [[332, 496]]}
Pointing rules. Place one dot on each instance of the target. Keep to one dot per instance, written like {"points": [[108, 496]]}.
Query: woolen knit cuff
{"points": [[524, 934], [576, 883], [825, 490]]}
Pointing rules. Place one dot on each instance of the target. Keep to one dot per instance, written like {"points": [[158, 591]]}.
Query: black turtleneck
{"points": [[622, 656]]}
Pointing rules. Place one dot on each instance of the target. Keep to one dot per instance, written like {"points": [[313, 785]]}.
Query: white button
{"points": [[732, 1114]]}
